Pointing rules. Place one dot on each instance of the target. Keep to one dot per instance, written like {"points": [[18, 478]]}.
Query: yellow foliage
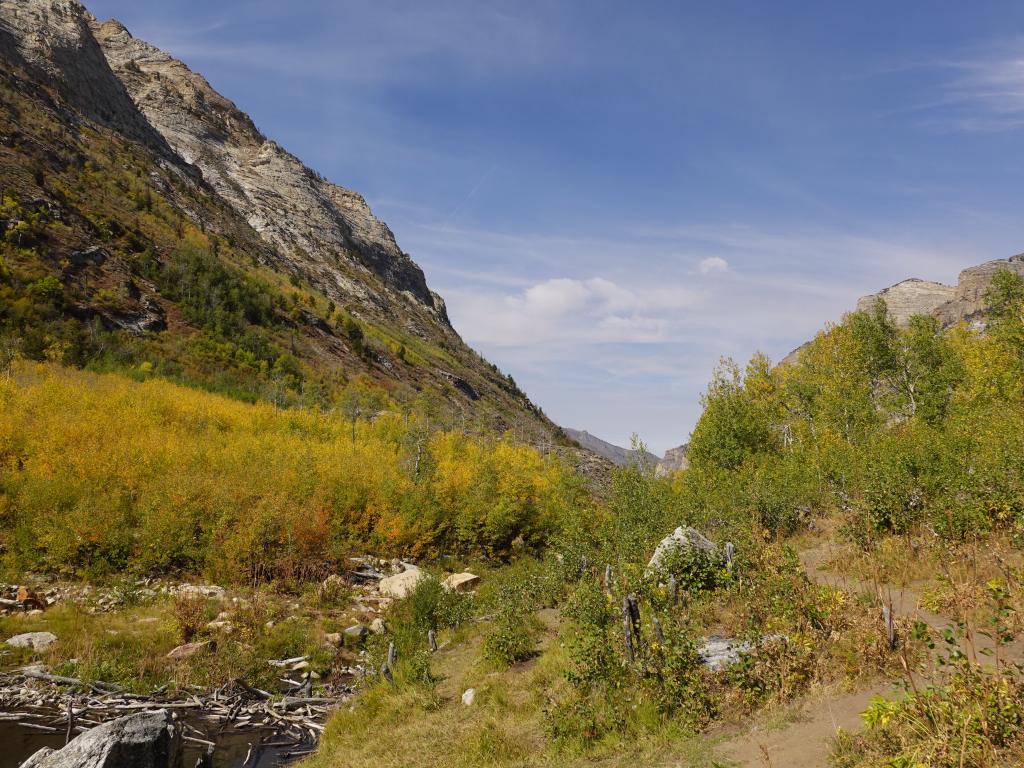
{"points": [[103, 473]]}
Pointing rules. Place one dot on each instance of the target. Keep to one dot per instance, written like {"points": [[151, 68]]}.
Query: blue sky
{"points": [[611, 196]]}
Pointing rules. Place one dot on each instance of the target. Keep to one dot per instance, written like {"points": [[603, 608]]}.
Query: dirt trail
{"points": [[804, 742]]}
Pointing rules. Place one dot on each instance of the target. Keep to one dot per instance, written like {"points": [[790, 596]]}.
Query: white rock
{"points": [[467, 696], [401, 584], [461, 582], [377, 626], [37, 641]]}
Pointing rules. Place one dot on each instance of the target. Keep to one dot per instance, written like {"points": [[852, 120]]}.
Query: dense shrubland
{"points": [[887, 429], [101, 474]]}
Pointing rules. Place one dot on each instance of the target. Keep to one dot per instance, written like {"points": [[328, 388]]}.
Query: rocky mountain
{"points": [[674, 460], [949, 304], [147, 224], [614, 453]]}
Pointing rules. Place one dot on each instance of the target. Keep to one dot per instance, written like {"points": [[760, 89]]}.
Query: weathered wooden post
{"points": [[392, 655], [730, 553], [385, 672], [673, 591], [634, 617], [432, 640], [608, 577], [627, 632], [71, 723], [890, 627], [657, 631]]}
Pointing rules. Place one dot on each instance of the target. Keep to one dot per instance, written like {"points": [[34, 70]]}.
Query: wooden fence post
{"points": [[890, 627], [432, 640], [627, 632]]}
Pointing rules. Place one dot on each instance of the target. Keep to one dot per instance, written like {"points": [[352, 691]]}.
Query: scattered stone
{"points": [[401, 584], [37, 641], [357, 631], [680, 538], [467, 697], [30, 599], [461, 582], [377, 626], [331, 588], [334, 638], [145, 740], [190, 649], [201, 590]]}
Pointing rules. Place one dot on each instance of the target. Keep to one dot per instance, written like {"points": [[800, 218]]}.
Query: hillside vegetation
{"points": [[100, 474]]}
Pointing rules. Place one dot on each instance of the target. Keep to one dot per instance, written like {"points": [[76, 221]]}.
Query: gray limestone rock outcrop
{"points": [[52, 39], [674, 460], [908, 298], [948, 304], [144, 740], [319, 228]]}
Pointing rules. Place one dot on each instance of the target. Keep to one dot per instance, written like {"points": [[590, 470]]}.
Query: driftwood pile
{"points": [[37, 700]]}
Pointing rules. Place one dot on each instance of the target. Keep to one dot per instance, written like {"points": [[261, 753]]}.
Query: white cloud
{"points": [[565, 311], [712, 264]]}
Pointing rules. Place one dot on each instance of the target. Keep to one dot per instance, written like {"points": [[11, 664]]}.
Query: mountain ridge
{"points": [[149, 225], [616, 454]]}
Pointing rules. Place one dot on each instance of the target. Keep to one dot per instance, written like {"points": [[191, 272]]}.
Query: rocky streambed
{"points": [[45, 703]]}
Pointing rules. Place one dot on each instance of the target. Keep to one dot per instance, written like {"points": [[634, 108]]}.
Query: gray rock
{"points": [[37, 641], [145, 740], [357, 630], [315, 224], [679, 538], [674, 460], [718, 652]]}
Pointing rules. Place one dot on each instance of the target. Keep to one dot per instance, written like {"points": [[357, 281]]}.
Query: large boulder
{"points": [[145, 740], [401, 584], [37, 641], [681, 538]]}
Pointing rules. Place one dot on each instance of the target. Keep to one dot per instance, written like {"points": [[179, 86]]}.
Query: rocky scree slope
{"points": [[118, 158]]}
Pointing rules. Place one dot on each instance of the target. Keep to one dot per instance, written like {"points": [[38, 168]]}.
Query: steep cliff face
{"points": [[146, 221], [968, 302], [320, 230], [948, 304], [674, 460], [52, 40], [910, 297]]}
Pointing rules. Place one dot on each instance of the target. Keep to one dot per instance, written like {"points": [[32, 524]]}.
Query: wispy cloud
{"points": [[981, 90], [396, 42]]}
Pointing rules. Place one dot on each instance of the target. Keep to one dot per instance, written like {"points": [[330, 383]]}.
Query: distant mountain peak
{"points": [[616, 454]]}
